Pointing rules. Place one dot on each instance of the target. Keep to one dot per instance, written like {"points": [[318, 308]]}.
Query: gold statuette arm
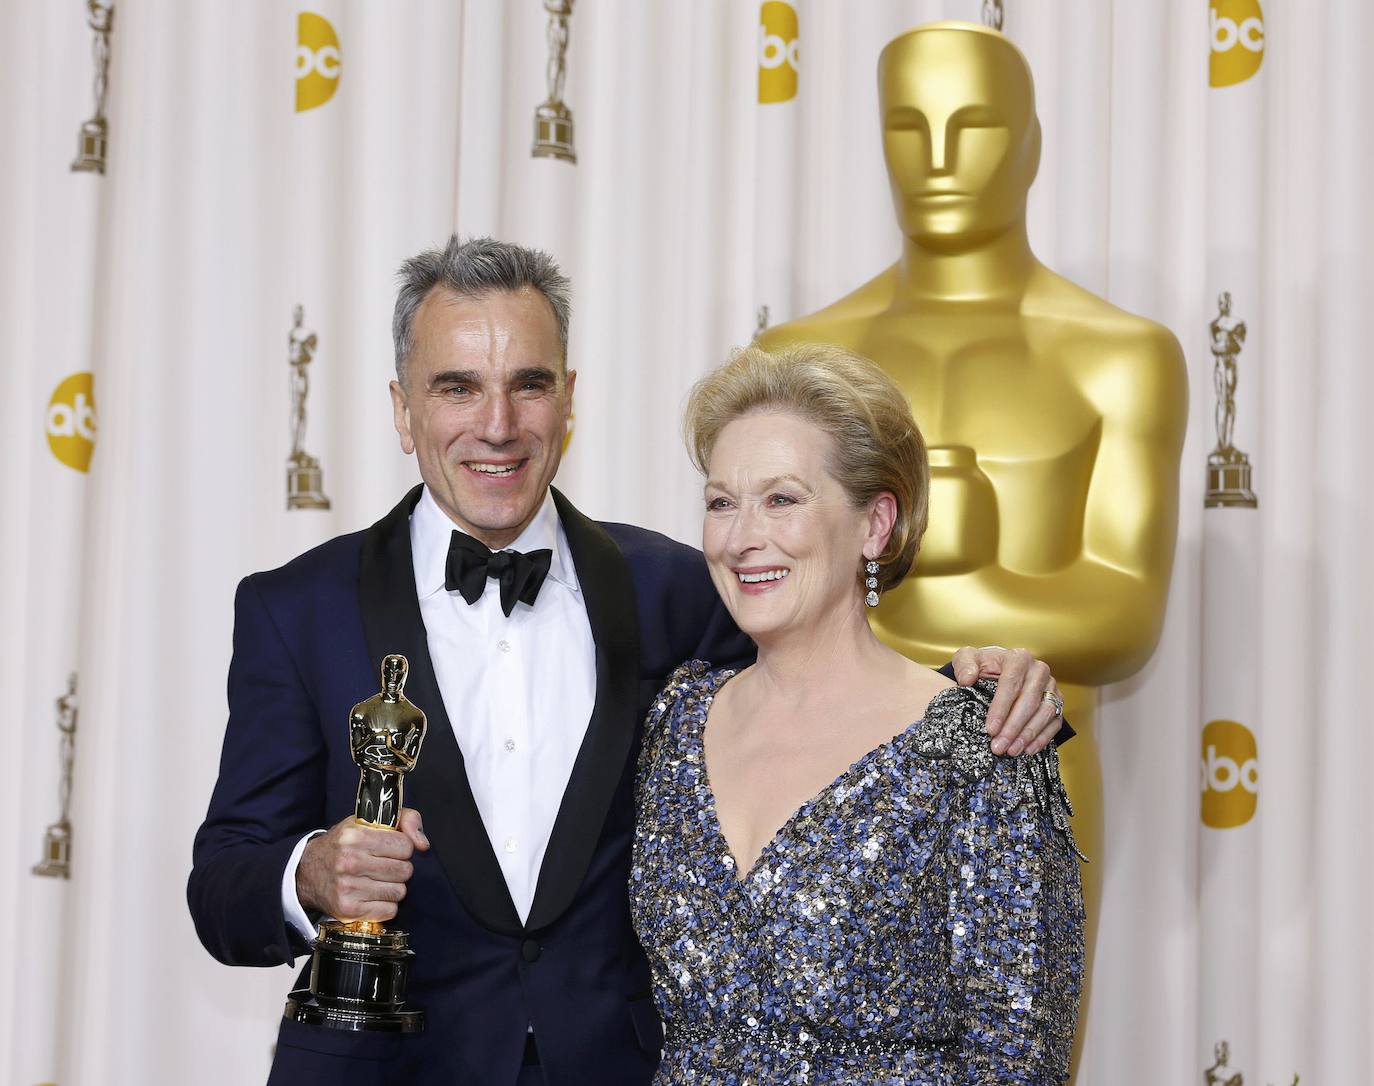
{"points": [[1096, 617], [1062, 619], [405, 759]]}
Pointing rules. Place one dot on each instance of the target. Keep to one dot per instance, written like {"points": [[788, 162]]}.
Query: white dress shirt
{"points": [[518, 692]]}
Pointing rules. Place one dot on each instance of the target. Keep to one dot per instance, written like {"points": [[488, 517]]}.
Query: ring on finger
{"points": [[1055, 700]]}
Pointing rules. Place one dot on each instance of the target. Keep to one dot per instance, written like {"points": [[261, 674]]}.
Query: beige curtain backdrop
{"points": [[259, 161]]}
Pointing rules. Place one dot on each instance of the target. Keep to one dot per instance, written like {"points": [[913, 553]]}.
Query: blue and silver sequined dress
{"points": [[919, 921]]}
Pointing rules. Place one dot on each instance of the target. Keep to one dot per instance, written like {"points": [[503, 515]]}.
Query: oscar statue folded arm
{"points": [[1091, 601]]}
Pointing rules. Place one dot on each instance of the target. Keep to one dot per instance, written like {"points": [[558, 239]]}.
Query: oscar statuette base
{"points": [[90, 148], [553, 132], [57, 847], [1228, 480], [357, 981], [305, 485]]}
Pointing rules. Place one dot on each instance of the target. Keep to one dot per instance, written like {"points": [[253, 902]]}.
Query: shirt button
{"points": [[511, 845], [503, 645], [510, 745]]}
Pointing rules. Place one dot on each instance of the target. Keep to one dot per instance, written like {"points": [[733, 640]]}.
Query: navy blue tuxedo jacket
{"points": [[308, 642]]}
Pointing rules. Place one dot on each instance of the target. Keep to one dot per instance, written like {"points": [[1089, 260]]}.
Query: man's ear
{"points": [[400, 417]]}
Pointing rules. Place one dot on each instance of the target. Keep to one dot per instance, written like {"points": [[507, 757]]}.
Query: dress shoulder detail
{"points": [[684, 676], [953, 730], [692, 677]]}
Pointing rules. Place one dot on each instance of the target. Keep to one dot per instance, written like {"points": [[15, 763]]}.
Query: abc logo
{"points": [[1230, 774], [1237, 41], [318, 61], [778, 52], [71, 421]]}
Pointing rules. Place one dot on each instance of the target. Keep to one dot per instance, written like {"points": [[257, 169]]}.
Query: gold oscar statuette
{"points": [[1055, 420], [553, 120], [57, 840], [1228, 469], [94, 134], [358, 968], [304, 476]]}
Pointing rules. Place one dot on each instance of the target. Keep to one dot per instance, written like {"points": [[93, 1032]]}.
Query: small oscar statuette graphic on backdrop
{"points": [[304, 478], [91, 141], [992, 14], [761, 321], [1221, 1072], [553, 120], [57, 841], [358, 968], [1228, 469]]}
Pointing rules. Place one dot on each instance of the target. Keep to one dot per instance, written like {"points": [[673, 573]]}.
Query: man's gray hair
{"points": [[473, 269]]}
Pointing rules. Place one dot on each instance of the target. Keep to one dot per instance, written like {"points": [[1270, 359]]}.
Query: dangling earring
{"points": [[871, 582]]}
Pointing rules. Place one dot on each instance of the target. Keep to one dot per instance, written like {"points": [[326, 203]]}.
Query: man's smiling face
{"points": [[485, 407]]}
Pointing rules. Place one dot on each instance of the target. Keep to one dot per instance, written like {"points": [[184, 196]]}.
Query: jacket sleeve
{"points": [[681, 616], [721, 642], [270, 792]]}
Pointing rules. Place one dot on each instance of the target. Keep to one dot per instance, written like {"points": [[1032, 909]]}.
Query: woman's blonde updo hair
{"points": [[874, 443]]}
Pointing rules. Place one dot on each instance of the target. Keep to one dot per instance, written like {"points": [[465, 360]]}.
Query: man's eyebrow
{"points": [[454, 377], [534, 373]]}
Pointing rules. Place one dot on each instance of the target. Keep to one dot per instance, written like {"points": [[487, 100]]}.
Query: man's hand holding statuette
{"points": [[358, 872]]}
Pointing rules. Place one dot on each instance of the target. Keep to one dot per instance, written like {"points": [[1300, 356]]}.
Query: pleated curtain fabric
{"points": [[50, 220], [195, 347]]}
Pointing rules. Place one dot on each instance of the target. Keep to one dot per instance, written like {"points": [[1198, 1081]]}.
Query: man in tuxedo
{"points": [[536, 639]]}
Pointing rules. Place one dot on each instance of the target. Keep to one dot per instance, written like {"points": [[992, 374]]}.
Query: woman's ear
{"points": [[882, 518]]}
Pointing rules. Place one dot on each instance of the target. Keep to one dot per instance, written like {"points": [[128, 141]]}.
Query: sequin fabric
{"points": [[919, 921]]}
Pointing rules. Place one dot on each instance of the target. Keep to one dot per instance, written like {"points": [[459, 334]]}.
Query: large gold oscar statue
{"points": [[1055, 420]]}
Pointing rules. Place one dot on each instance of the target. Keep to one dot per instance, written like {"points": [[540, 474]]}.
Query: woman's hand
{"points": [[1022, 718]]}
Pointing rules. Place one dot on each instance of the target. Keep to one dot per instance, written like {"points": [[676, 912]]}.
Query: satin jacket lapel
{"points": [[604, 576], [438, 787]]}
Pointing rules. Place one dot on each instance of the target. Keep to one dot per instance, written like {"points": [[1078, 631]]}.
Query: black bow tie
{"points": [[470, 563]]}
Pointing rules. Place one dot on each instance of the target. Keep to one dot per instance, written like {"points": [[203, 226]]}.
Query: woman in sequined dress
{"points": [[914, 918]]}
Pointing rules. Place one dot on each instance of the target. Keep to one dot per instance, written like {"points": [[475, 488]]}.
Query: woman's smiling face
{"points": [[781, 537]]}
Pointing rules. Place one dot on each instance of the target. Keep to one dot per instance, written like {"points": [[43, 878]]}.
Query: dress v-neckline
{"points": [[707, 796]]}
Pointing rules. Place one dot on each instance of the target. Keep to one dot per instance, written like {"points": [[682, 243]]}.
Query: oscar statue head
{"points": [[960, 134], [394, 671]]}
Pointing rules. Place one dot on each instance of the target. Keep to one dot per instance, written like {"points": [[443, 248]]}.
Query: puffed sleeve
{"points": [[1016, 907], [658, 721]]}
